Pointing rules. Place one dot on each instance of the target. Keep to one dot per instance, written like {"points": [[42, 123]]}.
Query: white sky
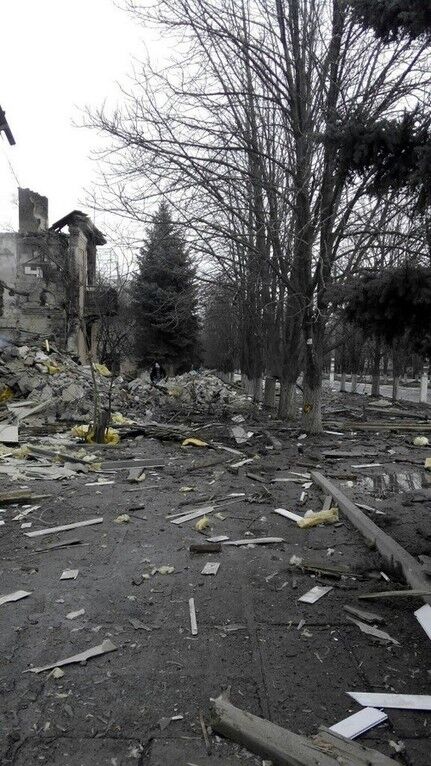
{"points": [[56, 57]]}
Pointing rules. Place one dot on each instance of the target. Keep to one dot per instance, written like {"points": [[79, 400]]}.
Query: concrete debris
{"points": [[369, 630], [193, 621]]}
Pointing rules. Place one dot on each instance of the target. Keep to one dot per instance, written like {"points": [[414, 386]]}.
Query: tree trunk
{"points": [[256, 389], [287, 409], [343, 383], [101, 426], [396, 388], [354, 385], [269, 397], [375, 385], [312, 407]]}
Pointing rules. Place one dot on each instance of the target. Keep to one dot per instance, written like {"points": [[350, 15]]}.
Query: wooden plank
{"points": [[64, 528], [392, 552], [414, 593], [285, 748]]}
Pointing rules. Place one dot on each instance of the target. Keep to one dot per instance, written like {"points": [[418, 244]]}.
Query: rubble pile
{"points": [[56, 380], [53, 387], [200, 390]]}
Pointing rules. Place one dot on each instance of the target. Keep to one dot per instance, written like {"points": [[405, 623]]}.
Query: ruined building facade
{"points": [[47, 278]]}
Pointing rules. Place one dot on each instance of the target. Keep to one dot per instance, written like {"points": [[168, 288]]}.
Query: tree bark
{"points": [[343, 383], [256, 389], [269, 397], [396, 388], [354, 385], [312, 408], [375, 385], [287, 409]]}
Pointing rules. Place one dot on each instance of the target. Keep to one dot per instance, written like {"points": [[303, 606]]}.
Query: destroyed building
{"points": [[48, 278]]}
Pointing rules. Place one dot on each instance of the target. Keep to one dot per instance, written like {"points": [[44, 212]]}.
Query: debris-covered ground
{"points": [[122, 584]]}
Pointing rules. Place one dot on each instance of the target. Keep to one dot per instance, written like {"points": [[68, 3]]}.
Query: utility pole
{"points": [[4, 128]]}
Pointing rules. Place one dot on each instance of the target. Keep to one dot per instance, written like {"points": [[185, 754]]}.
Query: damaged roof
{"points": [[78, 218]]}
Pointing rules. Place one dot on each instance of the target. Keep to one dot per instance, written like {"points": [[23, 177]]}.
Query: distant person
{"points": [[157, 373]]}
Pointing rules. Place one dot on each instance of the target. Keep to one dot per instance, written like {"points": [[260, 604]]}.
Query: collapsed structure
{"points": [[48, 278]]}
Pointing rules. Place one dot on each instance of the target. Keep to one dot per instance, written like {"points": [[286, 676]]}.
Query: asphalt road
{"points": [[407, 394], [284, 660]]}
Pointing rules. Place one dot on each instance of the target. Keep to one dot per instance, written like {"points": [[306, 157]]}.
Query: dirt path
{"points": [[290, 662]]}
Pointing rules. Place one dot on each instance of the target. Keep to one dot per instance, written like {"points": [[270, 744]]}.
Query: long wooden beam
{"points": [[285, 748], [397, 557]]}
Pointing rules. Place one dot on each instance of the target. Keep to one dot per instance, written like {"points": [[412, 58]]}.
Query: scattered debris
{"points": [[211, 568], [312, 519], [423, 616], [255, 541], [138, 625], [202, 524], [413, 593], [73, 615], [103, 648], [288, 514], [364, 616], [269, 740], [315, 594], [17, 596], [64, 528], [205, 547], [217, 539], [57, 673], [123, 518], [396, 701], [421, 441], [163, 570], [69, 574], [193, 622], [359, 722], [194, 443], [374, 632]]}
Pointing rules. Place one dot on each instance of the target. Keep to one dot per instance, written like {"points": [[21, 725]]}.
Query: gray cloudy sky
{"points": [[55, 57]]}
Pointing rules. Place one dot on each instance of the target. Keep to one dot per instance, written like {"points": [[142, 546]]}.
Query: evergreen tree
{"points": [[164, 298], [393, 153]]}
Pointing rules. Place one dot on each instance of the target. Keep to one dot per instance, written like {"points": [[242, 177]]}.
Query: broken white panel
{"points": [[211, 568], [98, 483], [103, 648], [189, 516], [315, 593], [193, 621], [423, 616], [217, 539], [19, 594], [287, 514], [359, 722], [64, 528], [69, 574], [2, 523], [369, 630], [396, 701]]}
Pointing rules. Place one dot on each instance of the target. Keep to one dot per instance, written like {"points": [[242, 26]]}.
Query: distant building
{"points": [[47, 278]]}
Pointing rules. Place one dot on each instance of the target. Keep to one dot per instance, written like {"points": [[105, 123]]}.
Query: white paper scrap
{"points": [[396, 701], [314, 594], [359, 722]]}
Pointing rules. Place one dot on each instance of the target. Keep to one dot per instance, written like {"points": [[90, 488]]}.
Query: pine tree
{"points": [[394, 153], [165, 299]]}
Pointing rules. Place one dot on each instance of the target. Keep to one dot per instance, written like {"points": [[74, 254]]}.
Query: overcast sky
{"points": [[56, 57]]}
